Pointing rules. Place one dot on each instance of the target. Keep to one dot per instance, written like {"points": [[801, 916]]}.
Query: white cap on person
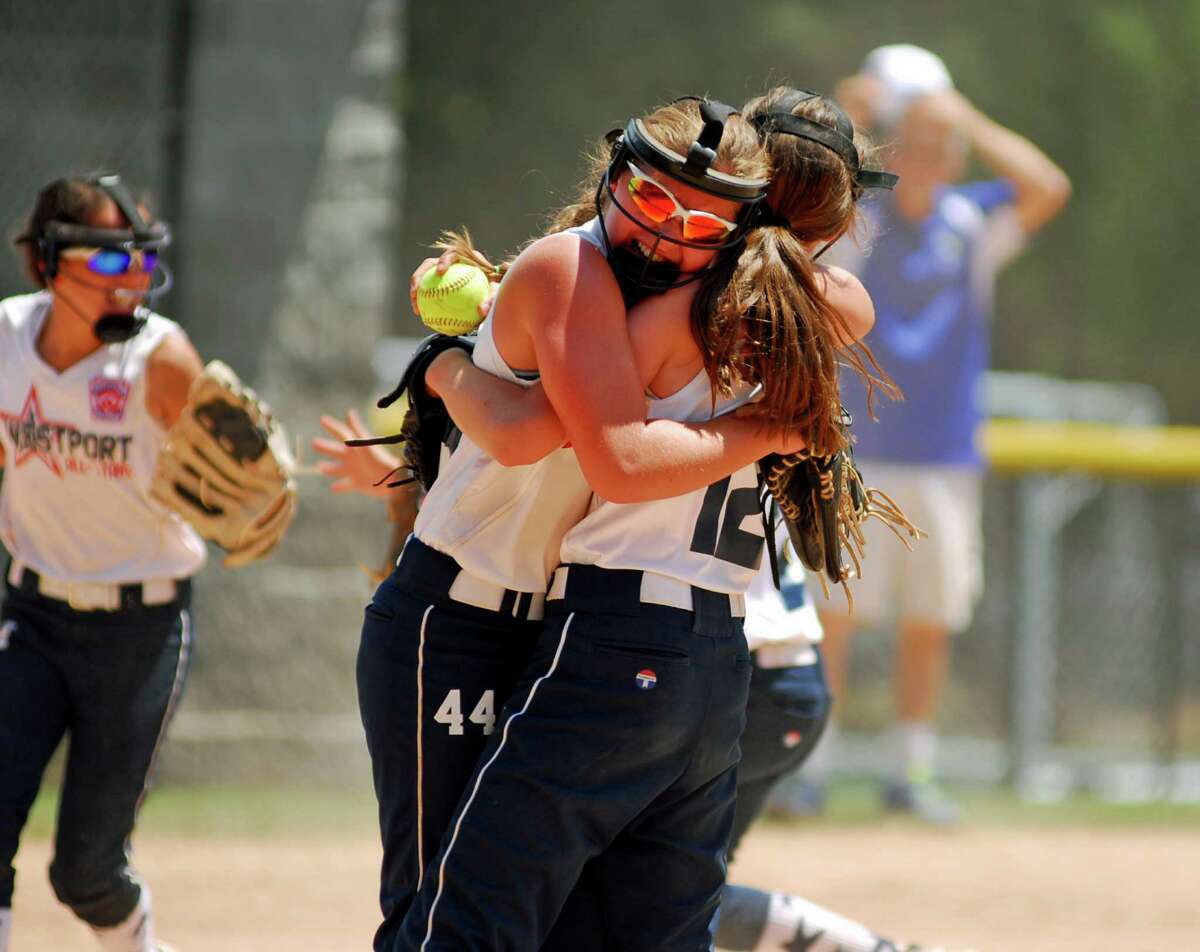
{"points": [[906, 72]]}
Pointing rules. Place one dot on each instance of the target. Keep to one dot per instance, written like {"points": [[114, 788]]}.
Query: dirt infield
{"points": [[1026, 889]]}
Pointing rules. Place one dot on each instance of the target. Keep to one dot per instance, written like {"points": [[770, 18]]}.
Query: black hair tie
{"points": [[769, 218]]}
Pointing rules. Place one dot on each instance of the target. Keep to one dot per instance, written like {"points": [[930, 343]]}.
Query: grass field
{"points": [[253, 870]]}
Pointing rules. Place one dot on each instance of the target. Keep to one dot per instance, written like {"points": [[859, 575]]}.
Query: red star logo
{"points": [[29, 420]]}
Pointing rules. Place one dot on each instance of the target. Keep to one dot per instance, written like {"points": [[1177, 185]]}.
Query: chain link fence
{"points": [[274, 125], [1119, 676], [272, 693], [86, 86]]}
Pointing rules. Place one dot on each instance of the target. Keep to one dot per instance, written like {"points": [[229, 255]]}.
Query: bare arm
{"points": [[169, 375], [1043, 188], [846, 295], [515, 425], [565, 294], [518, 425]]}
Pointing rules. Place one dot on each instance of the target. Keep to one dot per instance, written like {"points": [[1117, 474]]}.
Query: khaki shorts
{"points": [[938, 582]]}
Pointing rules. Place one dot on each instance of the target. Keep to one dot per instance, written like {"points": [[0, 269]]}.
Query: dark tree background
{"points": [[501, 101]]}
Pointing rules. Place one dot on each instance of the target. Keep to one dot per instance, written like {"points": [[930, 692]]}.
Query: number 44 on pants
{"points": [[449, 712]]}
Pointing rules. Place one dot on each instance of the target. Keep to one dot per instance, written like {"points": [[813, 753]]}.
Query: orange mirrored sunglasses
{"points": [[659, 205]]}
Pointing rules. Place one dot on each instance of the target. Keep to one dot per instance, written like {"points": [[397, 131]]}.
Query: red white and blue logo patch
{"points": [[108, 396], [646, 679]]}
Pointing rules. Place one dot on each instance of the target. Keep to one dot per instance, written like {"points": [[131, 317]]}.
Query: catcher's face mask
{"points": [[647, 200], [112, 252]]}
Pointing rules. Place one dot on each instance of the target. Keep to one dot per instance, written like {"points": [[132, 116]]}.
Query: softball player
{"points": [[446, 636], [786, 711], [95, 630], [616, 759]]}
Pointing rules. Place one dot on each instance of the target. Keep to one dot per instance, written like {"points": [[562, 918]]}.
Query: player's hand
{"points": [[786, 443], [442, 262], [941, 110], [860, 95], [360, 469]]}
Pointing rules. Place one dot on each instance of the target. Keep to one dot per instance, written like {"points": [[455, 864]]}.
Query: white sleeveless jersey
{"points": [[79, 455], [711, 538], [505, 523]]}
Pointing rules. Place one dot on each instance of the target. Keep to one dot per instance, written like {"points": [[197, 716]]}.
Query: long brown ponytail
{"points": [[761, 316]]}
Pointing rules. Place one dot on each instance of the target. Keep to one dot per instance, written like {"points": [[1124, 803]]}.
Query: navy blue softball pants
{"points": [[110, 681], [615, 761], [785, 717], [432, 676]]}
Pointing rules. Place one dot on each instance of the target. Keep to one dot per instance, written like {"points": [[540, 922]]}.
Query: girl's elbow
{"points": [[615, 465], [1046, 201], [1061, 191], [865, 320], [611, 482], [521, 446], [858, 322]]}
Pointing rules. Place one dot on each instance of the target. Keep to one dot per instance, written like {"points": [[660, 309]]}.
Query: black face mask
{"points": [[638, 276], [115, 327], [118, 328]]}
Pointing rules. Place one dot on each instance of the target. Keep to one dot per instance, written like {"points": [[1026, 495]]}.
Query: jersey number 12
{"points": [[725, 539]]}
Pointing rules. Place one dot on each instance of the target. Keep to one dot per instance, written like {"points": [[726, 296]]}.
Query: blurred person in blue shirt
{"points": [[933, 254]]}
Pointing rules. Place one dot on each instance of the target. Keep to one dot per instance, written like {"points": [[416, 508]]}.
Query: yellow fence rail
{"points": [[1160, 453]]}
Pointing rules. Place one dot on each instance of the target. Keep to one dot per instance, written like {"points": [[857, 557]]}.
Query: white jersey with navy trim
{"points": [[79, 454], [711, 538], [505, 523]]}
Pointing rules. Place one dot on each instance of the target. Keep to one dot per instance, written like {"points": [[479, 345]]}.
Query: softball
{"points": [[449, 303]]}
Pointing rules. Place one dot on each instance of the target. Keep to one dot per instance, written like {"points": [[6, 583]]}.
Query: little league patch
{"points": [[108, 396]]}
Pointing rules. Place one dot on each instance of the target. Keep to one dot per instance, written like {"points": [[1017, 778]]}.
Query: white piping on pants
{"points": [[483, 770]]}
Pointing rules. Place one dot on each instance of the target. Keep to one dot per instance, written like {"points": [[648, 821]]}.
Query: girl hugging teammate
{"points": [[603, 738]]}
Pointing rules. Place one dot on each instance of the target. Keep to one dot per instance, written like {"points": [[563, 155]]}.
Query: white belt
{"points": [[655, 590], [94, 596], [479, 592], [473, 590], [787, 654]]}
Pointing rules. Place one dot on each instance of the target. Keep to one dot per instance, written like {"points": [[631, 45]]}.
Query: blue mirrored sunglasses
{"points": [[112, 261]]}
